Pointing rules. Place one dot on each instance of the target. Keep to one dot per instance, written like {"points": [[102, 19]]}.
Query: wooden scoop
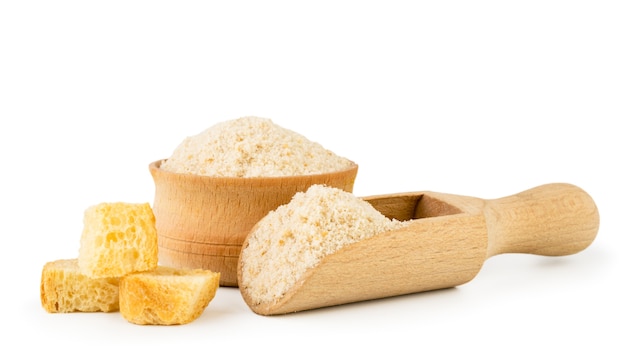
{"points": [[445, 246]]}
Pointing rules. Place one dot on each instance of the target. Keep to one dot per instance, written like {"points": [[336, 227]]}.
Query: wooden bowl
{"points": [[202, 221]]}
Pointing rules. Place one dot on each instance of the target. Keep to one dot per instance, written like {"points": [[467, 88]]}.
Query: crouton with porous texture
{"points": [[64, 289], [118, 239], [166, 295]]}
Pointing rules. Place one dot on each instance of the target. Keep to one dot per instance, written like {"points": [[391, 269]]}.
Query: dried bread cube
{"points": [[167, 295], [64, 289], [117, 239]]}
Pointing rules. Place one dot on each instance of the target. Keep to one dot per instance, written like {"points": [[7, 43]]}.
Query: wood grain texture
{"points": [[202, 221], [550, 220], [433, 253], [445, 246]]}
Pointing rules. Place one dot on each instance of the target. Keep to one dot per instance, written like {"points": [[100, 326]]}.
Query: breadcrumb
{"points": [[252, 147], [297, 236]]}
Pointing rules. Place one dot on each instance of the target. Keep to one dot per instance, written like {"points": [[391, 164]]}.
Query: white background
{"points": [[479, 98]]}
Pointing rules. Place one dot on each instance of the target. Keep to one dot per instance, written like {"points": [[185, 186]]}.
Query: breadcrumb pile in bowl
{"points": [[252, 147], [218, 184]]}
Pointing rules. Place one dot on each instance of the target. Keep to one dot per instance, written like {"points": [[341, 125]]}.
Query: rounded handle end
{"points": [[550, 220]]}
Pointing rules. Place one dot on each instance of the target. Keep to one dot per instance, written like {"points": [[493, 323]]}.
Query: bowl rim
{"points": [[155, 169]]}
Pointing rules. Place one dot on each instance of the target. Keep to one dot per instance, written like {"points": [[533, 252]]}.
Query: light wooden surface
{"points": [[202, 221], [445, 246]]}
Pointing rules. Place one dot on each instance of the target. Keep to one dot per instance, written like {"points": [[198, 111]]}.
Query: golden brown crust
{"points": [[64, 289], [166, 295]]}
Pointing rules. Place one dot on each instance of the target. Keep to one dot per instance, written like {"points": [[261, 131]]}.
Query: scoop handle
{"points": [[549, 220]]}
